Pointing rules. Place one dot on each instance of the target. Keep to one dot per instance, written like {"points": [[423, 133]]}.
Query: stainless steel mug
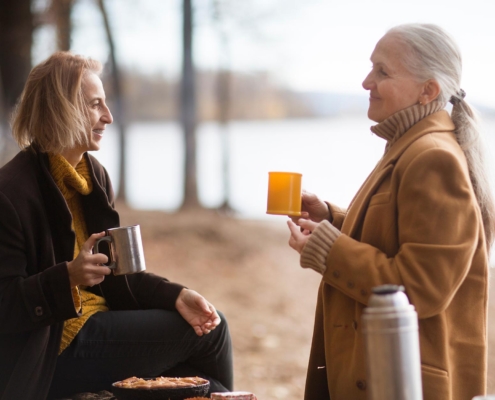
{"points": [[126, 250], [390, 328]]}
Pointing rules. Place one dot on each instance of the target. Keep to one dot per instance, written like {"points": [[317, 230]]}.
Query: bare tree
{"points": [[224, 98], [119, 111], [230, 16], [61, 10], [188, 109], [16, 39]]}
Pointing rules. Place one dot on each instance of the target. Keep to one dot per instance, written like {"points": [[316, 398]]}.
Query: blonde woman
{"points": [[66, 324], [423, 219]]}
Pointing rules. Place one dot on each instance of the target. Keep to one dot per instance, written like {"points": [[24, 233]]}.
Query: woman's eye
{"points": [[382, 72]]}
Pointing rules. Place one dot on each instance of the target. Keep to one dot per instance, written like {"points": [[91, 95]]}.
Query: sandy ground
{"points": [[246, 269]]}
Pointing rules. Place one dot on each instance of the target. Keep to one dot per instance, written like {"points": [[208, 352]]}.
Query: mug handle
{"points": [[109, 240]]}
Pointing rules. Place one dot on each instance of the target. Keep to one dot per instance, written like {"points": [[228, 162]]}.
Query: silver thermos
{"points": [[390, 327]]}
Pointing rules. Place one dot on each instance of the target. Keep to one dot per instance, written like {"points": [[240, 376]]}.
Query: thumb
{"points": [[204, 306], [294, 229], [89, 244], [308, 195]]}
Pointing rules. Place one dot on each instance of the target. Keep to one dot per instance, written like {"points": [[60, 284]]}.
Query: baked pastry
{"points": [[233, 396], [197, 398], [160, 382]]}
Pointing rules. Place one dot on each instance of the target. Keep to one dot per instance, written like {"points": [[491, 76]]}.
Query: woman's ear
{"points": [[431, 90]]}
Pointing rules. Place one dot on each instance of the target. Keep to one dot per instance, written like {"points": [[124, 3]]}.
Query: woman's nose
{"points": [[367, 83], [107, 116]]}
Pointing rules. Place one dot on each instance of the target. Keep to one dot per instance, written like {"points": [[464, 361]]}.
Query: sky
{"points": [[307, 45]]}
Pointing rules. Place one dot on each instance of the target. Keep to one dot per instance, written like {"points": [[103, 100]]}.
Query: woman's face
{"points": [[99, 114], [392, 87]]}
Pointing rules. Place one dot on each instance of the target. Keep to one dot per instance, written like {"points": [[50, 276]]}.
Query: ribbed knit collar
{"points": [[70, 180], [392, 128]]}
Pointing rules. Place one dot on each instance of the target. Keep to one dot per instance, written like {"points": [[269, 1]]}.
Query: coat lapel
{"points": [[359, 204], [57, 212], [437, 122]]}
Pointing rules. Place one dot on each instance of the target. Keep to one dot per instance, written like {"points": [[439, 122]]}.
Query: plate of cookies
{"points": [[160, 388]]}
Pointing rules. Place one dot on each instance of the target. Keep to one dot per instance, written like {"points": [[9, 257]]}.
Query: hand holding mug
{"points": [[86, 268], [313, 207], [126, 249]]}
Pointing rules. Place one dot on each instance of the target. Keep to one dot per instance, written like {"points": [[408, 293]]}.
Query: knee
{"points": [[223, 327], [222, 317], [223, 324]]}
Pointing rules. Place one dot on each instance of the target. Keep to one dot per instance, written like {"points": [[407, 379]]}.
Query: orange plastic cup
{"points": [[284, 193]]}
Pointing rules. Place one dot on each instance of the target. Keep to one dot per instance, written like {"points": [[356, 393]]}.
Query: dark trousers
{"points": [[116, 345]]}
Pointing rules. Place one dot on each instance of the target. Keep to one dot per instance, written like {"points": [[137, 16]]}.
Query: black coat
{"points": [[36, 242]]}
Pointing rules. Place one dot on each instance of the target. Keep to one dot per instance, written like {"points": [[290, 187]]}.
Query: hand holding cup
{"points": [[126, 250]]}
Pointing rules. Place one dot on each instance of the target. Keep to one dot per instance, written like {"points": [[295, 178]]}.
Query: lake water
{"points": [[334, 155]]}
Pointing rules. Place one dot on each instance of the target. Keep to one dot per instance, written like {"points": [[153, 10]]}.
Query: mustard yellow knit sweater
{"points": [[74, 183]]}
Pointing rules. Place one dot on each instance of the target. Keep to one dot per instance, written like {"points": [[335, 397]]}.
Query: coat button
{"points": [[350, 285], [38, 311], [361, 385], [363, 292], [336, 274], [355, 325]]}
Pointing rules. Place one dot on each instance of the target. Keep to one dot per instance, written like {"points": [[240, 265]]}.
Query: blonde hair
{"points": [[52, 112], [435, 55]]}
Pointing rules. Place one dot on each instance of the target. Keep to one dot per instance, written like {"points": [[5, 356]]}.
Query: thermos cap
{"points": [[387, 289], [385, 296]]}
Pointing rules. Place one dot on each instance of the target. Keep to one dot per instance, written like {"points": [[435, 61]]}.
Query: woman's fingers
{"points": [[89, 244], [307, 224], [298, 238], [294, 229], [316, 209], [295, 236]]}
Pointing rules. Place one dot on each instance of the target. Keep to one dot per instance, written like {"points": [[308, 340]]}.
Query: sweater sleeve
{"points": [[315, 252]]}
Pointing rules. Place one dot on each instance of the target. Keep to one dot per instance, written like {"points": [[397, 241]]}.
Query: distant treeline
{"points": [[252, 96]]}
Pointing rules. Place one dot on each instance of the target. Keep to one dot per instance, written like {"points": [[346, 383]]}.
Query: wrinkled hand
{"points": [[197, 311], [85, 269], [299, 238], [313, 208]]}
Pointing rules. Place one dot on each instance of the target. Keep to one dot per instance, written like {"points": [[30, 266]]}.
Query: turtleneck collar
{"points": [[70, 180], [392, 128]]}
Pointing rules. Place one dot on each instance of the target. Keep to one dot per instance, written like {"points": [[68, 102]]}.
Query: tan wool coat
{"points": [[414, 222]]}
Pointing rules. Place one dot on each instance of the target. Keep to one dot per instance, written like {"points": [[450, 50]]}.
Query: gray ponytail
{"points": [[435, 55], [466, 121]]}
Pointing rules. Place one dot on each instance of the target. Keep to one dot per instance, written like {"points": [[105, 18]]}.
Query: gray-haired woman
{"points": [[423, 219]]}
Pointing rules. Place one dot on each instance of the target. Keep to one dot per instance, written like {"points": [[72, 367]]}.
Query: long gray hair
{"points": [[436, 56]]}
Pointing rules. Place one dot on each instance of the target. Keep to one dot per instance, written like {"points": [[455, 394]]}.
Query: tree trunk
{"points": [[62, 10], [119, 106], [224, 99], [188, 110], [16, 38]]}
